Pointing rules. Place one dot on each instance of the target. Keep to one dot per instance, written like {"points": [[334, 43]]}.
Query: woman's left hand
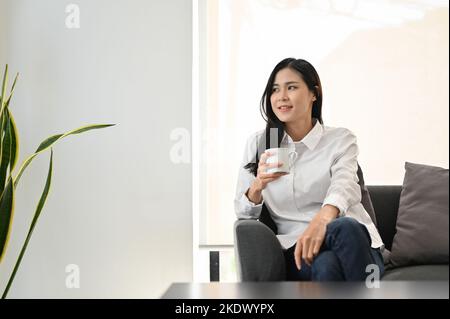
{"points": [[309, 243]]}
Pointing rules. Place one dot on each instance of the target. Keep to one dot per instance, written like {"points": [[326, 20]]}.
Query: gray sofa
{"points": [[259, 255]]}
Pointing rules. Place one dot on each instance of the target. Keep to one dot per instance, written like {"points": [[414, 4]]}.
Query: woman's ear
{"points": [[316, 92]]}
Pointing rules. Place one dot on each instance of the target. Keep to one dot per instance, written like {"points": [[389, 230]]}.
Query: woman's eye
{"points": [[274, 89], [291, 87]]}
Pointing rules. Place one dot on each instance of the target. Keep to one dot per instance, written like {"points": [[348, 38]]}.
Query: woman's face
{"points": [[291, 99]]}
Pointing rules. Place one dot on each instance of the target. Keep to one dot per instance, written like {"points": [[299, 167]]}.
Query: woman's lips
{"points": [[284, 108]]}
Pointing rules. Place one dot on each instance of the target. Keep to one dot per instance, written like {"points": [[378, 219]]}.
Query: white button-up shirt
{"points": [[324, 172]]}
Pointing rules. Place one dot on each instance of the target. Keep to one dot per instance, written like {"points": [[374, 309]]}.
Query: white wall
{"points": [[118, 208]]}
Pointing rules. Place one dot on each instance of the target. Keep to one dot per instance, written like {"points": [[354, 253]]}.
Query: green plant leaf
{"points": [[4, 102], [12, 90], [52, 140], [2, 137], [3, 92], [9, 149], [33, 223], [6, 215], [5, 152], [14, 143], [5, 119], [49, 141]]}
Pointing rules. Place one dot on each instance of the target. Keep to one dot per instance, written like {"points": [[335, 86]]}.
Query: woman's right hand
{"points": [[263, 178]]}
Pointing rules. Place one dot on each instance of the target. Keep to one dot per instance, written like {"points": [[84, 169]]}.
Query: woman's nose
{"points": [[282, 97]]}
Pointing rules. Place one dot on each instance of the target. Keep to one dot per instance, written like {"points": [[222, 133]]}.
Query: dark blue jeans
{"points": [[344, 255]]}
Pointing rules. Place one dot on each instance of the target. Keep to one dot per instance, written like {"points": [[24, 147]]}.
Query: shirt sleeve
{"points": [[244, 208], [344, 190]]}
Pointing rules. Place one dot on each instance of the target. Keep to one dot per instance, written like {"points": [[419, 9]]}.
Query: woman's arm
{"points": [[309, 243], [249, 199], [254, 194], [344, 190], [247, 205]]}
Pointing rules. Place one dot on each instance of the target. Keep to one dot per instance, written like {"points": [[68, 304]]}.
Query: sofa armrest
{"points": [[385, 200], [259, 255]]}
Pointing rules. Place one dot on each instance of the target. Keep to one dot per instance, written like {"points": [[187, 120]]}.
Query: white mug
{"points": [[283, 155]]}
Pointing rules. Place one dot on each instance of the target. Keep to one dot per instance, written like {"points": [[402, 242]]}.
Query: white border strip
{"points": [[195, 140]]}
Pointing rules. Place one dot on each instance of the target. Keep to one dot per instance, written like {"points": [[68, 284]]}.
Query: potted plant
{"points": [[9, 153]]}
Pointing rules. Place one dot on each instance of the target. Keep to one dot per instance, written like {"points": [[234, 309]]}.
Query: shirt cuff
{"points": [[250, 203], [337, 201], [248, 208]]}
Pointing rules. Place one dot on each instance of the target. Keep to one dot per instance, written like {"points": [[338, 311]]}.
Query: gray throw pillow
{"points": [[422, 223]]}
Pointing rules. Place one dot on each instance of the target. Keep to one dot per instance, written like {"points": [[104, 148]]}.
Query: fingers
{"points": [[272, 175], [266, 166], [267, 179], [263, 167], [301, 251], [316, 248], [264, 177], [263, 158], [298, 254], [305, 251], [310, 255], [310, 250]]}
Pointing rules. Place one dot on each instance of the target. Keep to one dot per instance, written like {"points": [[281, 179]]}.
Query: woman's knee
{"points": [[348, 234], [347, 225]]}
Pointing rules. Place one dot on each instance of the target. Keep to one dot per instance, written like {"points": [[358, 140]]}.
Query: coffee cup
{"points": [[281, 155]]}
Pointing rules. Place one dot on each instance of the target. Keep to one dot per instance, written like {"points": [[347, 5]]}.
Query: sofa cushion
{"points": [[419, 272], [422, 222]]}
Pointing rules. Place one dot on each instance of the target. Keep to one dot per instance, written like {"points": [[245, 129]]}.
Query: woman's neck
{"points": [[299, 130]]}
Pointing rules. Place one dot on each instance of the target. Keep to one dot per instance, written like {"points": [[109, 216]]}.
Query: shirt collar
{"points": [[311, 139]]}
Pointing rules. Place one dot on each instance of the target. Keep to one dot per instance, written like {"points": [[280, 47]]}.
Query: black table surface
{"points": [[309, 290]]}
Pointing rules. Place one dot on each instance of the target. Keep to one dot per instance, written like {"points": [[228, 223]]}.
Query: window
{"points": [[384, 71]]}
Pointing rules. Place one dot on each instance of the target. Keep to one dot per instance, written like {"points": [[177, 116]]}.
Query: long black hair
{"points": [[309, 74]]}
